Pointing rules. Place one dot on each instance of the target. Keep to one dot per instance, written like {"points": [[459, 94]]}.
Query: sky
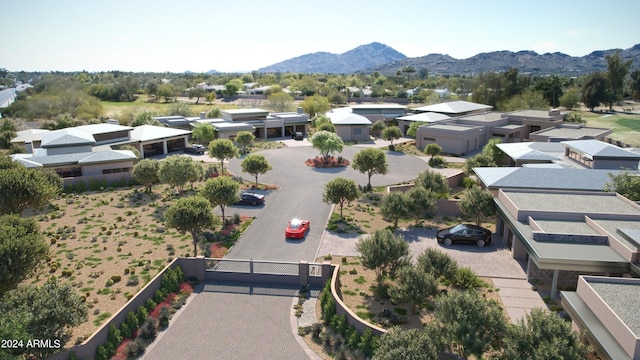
{"points": [[245, 35]]}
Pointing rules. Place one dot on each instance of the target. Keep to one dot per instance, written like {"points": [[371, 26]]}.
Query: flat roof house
{"points": [[562, 234], [570, 131], [375, 112], [536, 178], [269, 125], [604, 310]]}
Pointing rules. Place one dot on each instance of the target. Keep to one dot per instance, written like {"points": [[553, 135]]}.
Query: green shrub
{"points": [[437, 162], [148, 330], [468, 182], [141, 314], [116, 278], [466, 278]]}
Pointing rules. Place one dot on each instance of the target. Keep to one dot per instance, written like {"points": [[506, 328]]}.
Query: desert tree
{"points": [[222, 149], [279, 101], [327, 143], [391, 133], [433, 149], [395, 206], [542, 334], [176, 171], [22, 188], [255, 164], [624, 183], [420, 201], [594, 90], [377, 127], [315, 104], [49, 311], [415, 344], [617, 71], [221, 191], [340, 191], [434, 181], [382, 251], [477, 203], [412, 131], [438, 263], [196, 92], [478, 160], [204, 132], [414, 286], [22, 249], [190, 215], [244, 139], [460, 314], [570, 98], [370, 161], [146, 173]]}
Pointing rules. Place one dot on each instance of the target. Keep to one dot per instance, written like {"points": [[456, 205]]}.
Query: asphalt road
{"points": [[300, 195]]}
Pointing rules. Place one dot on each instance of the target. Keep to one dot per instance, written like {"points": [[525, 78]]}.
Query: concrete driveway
{"points": [[493, 261], [300, 195]]}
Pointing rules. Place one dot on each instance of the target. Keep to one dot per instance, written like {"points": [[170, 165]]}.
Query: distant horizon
{"points": [[248, 71], [200, 36]]}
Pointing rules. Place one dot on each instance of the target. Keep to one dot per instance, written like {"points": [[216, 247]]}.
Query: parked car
{"points": [[251, 198], [297, 135], [195, 149], [297, 228], [464, 233]]}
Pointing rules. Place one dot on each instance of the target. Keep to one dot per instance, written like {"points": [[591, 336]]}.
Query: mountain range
{"points": [[388, 61]]}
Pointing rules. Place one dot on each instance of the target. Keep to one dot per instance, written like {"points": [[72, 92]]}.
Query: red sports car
{"points": [[297, 228]]}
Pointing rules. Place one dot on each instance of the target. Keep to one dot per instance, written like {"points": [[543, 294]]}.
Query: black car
{"points": [[464, 233], [297, 135], [195, 149], [250, 198]]}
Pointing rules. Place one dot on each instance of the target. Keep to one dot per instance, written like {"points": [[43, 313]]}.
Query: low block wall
{"points": [[87, 349], [341, 308]]}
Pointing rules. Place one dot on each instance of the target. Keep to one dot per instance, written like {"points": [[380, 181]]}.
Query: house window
{"points": [[428, 139], [69, 172], [115, 171], [357, 131]]}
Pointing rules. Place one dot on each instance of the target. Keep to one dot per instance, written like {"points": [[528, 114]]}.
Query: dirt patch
{"points": [[109, 244]]}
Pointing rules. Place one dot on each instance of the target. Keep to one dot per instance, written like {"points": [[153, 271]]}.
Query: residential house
{"points": [[548, 179], [70, 153], [349, 126], [375, 112], [604, 310], [596, 154], [470, 125], [91, 151], [559, 235], [570, 131]]}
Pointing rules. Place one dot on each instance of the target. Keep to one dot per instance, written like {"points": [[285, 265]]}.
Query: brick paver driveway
{"points": [[232, 321]]}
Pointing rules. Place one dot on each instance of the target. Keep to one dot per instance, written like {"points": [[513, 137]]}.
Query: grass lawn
{"points": [[626, 128], [125, 110]]}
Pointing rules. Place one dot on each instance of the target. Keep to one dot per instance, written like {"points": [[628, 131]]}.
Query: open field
{"points": [[109, 244], [626, 128]]}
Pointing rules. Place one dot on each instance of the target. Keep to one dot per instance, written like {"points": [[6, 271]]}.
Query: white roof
{"points": [[29, 135], [347, 118], [67, 137], [429, 117], [455, 107], [151, 132]]}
